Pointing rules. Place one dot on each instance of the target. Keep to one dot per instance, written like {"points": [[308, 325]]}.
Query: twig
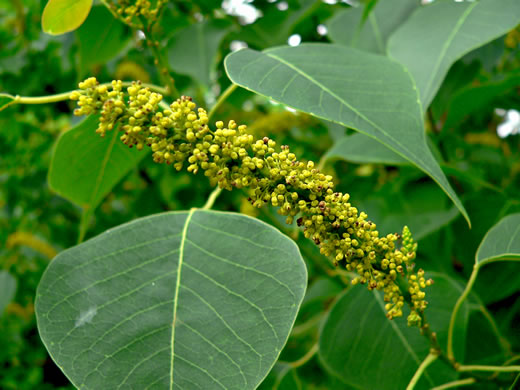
{"points": [[455, 311], [420, 370], [223, 96], [212, 197], [453, 384]]}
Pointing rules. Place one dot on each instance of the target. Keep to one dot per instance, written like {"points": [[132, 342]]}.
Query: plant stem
{"points": [[420, 370], [310, 324], [488, 368], [83, 224], [223, 96], [160, 61], [461, 299], [502, 340], [65, 95], [305, 358], [458, 383], [212, 197]]}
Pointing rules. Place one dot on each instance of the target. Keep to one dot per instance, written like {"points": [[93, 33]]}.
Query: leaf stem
{"points": [[212, 197], [83, 224], [223, 96], [307, 326], [488, 368], [160, 61], [305, 358], [420, 370], [455, 311], [66, 95], [457, 383]]}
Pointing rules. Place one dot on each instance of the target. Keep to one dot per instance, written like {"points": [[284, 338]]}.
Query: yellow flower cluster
{"points": [[130, 9], [233, 158]]}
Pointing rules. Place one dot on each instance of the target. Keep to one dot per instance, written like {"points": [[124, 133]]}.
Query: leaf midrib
{"points": [[376, 126], [177, 288], [446, 46]]}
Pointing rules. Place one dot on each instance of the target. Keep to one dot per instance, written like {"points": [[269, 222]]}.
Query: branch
{"points": [[420, 370]]}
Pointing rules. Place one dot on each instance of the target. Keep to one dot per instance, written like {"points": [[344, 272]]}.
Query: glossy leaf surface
{"points": [[62, 16], [229, 284], [85, 167], [366, 92], [437, 35]]}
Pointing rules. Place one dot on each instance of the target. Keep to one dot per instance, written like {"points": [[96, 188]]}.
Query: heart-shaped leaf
{"points": [[180, 300], [364, 91], [356, 339], [437, 35], [62, 16], [84, 168]]}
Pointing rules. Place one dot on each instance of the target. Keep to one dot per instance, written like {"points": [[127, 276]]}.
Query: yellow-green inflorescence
{"points": [[232, 158], [130, 9]]}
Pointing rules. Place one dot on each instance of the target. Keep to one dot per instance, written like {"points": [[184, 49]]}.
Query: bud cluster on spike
{"points": [[130, 9], [233, 158]]}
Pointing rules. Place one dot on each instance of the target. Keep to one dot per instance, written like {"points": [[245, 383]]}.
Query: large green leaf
{"points": [[100, 38], [7, 290], [364, 91], [193, 50], [435, 36], [84, 167], [501, 243], [61, 16], [359, 344], [180, 300], [348, 27]]}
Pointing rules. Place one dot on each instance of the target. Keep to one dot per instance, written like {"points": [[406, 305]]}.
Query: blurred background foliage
{"points": [[36, 223]]}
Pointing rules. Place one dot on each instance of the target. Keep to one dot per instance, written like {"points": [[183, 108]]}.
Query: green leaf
{"points": [[359, 344], [366, 92], [85, 167], [492, 352], [289, 380], [230, 285], [193, 50], [474, 98], [360, 149], [420, 206], [7, 290], [6, 100], [100, 38], [348, 27], [437, 35], [501, 243], [62, 16]]}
